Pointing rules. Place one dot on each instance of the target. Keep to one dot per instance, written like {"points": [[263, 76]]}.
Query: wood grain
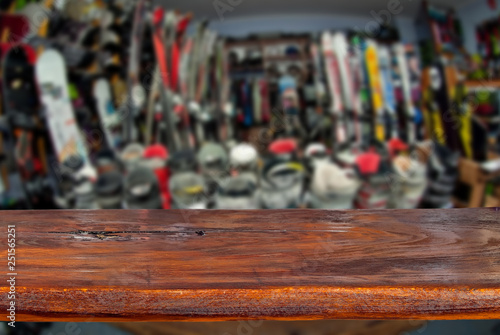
{"points": [[230, 265]]}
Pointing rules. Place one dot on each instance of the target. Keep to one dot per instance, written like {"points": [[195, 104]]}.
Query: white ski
{"points": [[341, 48], [107, 113], [400, 54], [332, 72]]}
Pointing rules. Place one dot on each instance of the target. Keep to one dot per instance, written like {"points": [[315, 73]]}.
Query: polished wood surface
{"points": [[229, 265]]}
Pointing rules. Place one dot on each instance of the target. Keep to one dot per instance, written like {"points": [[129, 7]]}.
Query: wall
{"points": [[471, 16], [243, 26]]}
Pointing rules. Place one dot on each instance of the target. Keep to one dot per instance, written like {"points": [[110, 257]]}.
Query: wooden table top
{"points": [[276, 265]]}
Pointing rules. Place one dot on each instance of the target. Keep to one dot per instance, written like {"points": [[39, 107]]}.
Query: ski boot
{"points": [[282, 184], [142, 190], [238, 192], [333, 187], [214, 163], [244, 160], [188, 191], [109, 190]]}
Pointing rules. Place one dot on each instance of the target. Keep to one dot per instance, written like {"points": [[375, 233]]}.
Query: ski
{"points": [[160, 30], [152, 107], [416, 88], [410, 174], [375, 87], [401, 63], [222, 93], [331, 63], [178, 41], [206, 118], [135, 92], [385, 63], [463, 110], [351, 106], [318, 77], [372, 165], [435, 98], [193, 72], [107, 113], [361, 88]]}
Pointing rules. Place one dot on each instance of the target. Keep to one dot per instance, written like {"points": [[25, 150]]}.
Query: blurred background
{"points": [[239, 104]]}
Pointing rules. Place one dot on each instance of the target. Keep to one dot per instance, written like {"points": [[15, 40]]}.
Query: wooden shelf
{"points": [[483, 83], [285, 58], [192, 265], [264, 42]]}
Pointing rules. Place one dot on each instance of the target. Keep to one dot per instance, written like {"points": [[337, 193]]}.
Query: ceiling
{"points": [[246, 8]]}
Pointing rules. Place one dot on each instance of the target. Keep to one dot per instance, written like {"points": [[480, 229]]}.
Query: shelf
{"points": [[266, 42], [284, 58], [193, 265], [483, 84]]}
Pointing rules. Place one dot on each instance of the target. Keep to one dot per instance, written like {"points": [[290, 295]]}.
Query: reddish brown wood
{"points": [[282, 265]]}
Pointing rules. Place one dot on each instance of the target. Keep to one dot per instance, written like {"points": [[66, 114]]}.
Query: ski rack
{"points": [[193, 265]]}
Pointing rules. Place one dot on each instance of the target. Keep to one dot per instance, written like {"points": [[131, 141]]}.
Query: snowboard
{"points": [[53, 86], [26, 138]]}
